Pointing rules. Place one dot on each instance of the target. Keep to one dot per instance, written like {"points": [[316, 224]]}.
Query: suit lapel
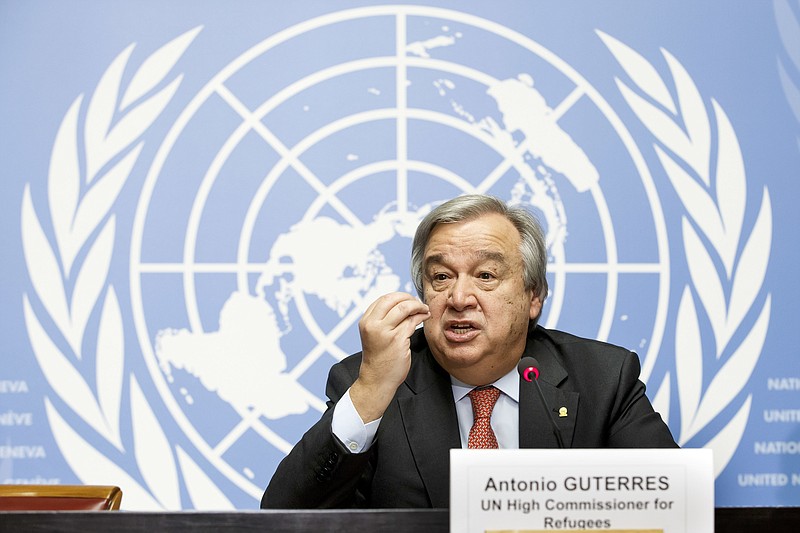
{"points": [[535, 428], [430, 421]]}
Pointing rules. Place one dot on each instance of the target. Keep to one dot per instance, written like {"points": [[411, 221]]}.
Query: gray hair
{"points": [[471, 206]]}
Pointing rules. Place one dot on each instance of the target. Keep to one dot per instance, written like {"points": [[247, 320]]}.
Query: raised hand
{"points": [[385, 329]]}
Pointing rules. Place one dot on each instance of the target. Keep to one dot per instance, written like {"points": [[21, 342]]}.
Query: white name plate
{"points": [[580, 490]]}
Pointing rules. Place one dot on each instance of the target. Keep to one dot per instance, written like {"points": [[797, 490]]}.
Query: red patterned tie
{"points": [[481, 434]]}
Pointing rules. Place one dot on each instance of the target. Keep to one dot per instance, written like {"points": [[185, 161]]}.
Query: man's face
{"points": [[473, 285]]}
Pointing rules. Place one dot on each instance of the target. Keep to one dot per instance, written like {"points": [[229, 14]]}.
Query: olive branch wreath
{"points": [[726, 267], [70, 286]]}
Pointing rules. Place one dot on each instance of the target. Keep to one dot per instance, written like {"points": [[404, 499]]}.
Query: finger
{"points": [[380, 308], [372, 306], [413, 321], [407, 310]]}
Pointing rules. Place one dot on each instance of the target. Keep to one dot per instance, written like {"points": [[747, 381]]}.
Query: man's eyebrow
{"points": [[484, 255], [492, 256], [434, 259]]}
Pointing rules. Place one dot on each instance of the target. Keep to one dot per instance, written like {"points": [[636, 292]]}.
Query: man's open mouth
{"points": [[461, 328]]}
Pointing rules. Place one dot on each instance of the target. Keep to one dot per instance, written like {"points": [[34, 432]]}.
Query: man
{"points": [[399, 406]]}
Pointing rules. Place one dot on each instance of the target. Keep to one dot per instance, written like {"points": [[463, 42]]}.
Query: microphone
{"points": [[528, 368]]}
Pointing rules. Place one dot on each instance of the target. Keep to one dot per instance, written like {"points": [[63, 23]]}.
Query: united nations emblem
{"points": [[284, 197]]}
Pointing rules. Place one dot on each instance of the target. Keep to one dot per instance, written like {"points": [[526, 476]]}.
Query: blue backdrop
{"points": [[200, 198]]}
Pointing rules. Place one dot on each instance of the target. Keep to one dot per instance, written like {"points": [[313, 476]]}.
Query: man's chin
{"points": [[455, 357]]}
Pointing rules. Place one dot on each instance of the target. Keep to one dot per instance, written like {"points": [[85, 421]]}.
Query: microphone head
{"points": [[528, 368]]}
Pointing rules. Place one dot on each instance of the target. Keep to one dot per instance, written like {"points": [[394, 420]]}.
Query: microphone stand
{"points": [[527, 366]]}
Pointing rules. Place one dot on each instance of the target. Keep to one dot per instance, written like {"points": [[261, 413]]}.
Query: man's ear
{"points": [[536, 308]]}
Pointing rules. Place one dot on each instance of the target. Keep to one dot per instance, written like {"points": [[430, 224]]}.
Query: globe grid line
{"points": [[328, 344], [401, 124], [560, 109], [274, 142], [250, 420]]}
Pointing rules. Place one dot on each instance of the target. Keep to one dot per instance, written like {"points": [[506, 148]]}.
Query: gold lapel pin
{"points": [[562, 412]]}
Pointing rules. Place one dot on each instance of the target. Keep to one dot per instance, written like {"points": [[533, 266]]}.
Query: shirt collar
{"points": [[508, 385]]}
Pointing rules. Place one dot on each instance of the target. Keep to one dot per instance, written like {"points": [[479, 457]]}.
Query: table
{"points": [[727, 520]]}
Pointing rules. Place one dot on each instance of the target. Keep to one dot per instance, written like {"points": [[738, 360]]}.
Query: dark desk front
{"points": [[728, 520]]}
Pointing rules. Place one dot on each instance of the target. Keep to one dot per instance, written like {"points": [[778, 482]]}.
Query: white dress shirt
{"points": [[358, 437]]}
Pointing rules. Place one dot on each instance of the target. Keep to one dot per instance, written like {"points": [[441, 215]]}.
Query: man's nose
{"points": [[462, 293]]}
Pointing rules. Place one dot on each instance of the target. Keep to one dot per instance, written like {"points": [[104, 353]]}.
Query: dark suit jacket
{"points": [[408, 463]]}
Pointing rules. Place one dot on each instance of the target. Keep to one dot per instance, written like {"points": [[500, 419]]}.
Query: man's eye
{"points": [[486, 276], [440, 277]]}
